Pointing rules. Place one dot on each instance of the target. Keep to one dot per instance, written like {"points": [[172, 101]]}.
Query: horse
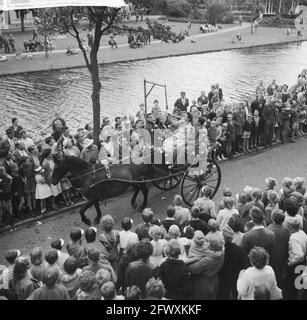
{"points": [[95, 184]]}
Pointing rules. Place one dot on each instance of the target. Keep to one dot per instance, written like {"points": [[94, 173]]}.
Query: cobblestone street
{"points": [[286, 160]]}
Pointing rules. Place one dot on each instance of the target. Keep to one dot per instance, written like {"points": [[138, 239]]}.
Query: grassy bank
{"points": [[195, 44]]}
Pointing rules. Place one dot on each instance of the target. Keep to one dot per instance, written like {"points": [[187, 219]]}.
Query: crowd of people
{"points": [[7, 43], [278, 113], [246, 247]]}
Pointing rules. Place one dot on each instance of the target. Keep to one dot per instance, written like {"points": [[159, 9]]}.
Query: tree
{"points": [[44, 22], [216, 11], [255, 7], [65, 20], [21, 14]]}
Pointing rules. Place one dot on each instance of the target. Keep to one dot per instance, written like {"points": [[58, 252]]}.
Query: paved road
{"points": [[288, 160]]}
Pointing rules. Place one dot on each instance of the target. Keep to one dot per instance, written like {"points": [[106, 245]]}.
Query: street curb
{"points": [[79, 204], [28, 221]]}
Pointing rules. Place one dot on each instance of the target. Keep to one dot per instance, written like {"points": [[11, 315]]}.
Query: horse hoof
{"points": [[86, 221], [97, 221]]}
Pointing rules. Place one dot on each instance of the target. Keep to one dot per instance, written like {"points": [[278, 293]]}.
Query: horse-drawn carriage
{"points": [[97, 185], [192, 174]]}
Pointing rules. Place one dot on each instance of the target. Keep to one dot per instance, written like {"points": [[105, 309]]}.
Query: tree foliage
{"points": [[216, 11], [66, 20], [178, 8]]}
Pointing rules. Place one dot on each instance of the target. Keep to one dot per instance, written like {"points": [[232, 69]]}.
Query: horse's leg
{"points": [[145, 192], [136, 188], [87, 205], [98, 217]]}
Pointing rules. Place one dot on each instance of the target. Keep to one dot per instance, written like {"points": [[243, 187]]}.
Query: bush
{"points": [[229, 18], [277, 22], [178, 8], [198, 14], [215, 12]]}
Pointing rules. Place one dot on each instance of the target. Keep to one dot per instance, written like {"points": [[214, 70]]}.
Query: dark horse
{"points": [[96, 186]]}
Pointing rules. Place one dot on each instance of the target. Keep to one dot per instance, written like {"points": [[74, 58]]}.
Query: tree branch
{"points": [[80, 41], [112, 18]]}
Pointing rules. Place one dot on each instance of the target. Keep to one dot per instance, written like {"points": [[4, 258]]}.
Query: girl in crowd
{"points": [[42, 191]]}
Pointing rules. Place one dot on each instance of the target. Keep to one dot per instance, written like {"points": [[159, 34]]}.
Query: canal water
{"points": [[34, 97]]}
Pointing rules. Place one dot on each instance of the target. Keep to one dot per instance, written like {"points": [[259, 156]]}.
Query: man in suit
{"points": [[278, 259], [182, 103], [258, 236], [269, 116]]}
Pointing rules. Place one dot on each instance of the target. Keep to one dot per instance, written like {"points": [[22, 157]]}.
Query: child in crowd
{"points": [[28, 175], [75, 249], [66, 187], [43, 191], [298, 185], [198, 248], [247, 128], [206, 205], [126, 235], [6, 194], [159, 245], [255, 132], [7, 274]]}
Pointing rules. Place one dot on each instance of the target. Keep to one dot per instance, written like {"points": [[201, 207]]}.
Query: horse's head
{"points": [[60, 170]]}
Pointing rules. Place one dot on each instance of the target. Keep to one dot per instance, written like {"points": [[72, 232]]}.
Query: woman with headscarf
{"points": [[204, 272]]}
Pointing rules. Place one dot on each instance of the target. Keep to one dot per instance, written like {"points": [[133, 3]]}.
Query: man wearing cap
{"points": [[297, 257], [258, 236], [90, 152], [182, 103], [279, 257]]}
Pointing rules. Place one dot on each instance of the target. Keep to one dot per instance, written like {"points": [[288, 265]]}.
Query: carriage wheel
{"points": [[172, 178], [194, 180]]}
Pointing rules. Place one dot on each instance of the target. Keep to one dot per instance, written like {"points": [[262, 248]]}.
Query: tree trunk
{"points": [[252, 25], [96, 83], [22, 20]]}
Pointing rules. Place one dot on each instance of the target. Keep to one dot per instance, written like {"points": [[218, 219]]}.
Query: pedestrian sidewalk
{"points": [[104, 47]]}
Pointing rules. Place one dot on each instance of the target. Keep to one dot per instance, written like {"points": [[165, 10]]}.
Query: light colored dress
{"points": [[158, 249], [43, 190], [55, 189]]}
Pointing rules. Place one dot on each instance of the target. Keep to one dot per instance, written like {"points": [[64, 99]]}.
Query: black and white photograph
{"points": [[153, 150]]}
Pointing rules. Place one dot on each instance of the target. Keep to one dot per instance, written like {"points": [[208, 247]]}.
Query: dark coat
{"points": [[279, 257], [234, 262], [259, 238], [138, 273], [182, 107], [175, 277], [204, 275]]}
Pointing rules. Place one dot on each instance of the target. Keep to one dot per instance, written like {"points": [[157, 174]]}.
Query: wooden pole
{"points": [[145, 93], [166, 97]]}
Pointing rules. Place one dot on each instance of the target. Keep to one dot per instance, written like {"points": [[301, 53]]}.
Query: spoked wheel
{"points": [[196, 178], [172, 178]]}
